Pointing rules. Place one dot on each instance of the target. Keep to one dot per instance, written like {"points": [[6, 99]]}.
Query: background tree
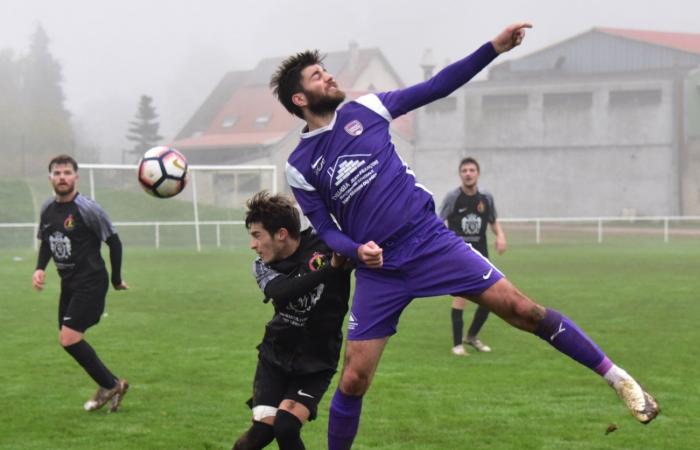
{"points": [[10, 117], [144, 128], [46, 128]]}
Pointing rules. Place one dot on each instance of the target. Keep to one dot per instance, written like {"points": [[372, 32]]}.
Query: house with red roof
{"points": [[605, 123], [242, 123]]}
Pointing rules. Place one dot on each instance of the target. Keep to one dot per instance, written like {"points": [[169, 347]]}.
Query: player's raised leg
{"points": [[361, 361], [504, 299]]}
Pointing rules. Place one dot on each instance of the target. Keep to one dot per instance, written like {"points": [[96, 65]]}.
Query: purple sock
{"points": [[343, 420], [563, 334]]}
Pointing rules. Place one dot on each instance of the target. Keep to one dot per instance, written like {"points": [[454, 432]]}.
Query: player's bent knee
{"points": [[68, 339]]}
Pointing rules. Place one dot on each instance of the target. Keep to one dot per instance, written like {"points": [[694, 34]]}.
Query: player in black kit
{"points": [[309, 287], [71, 229], [468, 212]]}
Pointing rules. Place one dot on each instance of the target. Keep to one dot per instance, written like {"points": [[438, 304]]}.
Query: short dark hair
{"points": [[63, 159], [273, 212], [469, 160], [286, 81]]}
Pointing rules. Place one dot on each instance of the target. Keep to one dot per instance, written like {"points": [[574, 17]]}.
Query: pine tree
{"points": [[46, 129], [144, 128]]}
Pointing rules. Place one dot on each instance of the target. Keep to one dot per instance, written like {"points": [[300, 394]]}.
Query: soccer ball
{"points": [[163, 172]]}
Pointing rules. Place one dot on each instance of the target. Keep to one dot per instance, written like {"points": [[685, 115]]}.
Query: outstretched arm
{"points": [[455, 75]]}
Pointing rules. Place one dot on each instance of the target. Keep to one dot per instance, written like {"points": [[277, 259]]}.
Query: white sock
{"points": [[615, 374]]}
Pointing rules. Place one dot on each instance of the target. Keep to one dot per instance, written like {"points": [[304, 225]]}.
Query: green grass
{"points": [[16, 203], [185, 336]]}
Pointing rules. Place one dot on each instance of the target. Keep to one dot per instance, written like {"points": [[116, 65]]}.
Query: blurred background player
{"points": [[299, 353], [366, 204], [71, 229], [467, 211]]}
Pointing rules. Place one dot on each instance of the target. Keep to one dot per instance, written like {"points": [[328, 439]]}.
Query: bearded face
{"points": [[63, 179], [325, 102]]}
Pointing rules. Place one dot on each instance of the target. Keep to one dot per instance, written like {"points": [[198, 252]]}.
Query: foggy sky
{"points": [[112, 51]]}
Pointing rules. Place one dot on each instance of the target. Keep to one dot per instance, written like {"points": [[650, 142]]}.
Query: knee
{"points": [[354, 381], [67, 340], [287, 427]]}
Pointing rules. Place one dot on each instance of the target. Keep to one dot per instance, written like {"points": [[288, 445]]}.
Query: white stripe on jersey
{"points": [[371, 101], [483, 257], [296, 179]]}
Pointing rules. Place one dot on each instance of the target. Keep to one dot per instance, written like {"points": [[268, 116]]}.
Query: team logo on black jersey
{"points": [[317, 261], [60, 246], [69, 223], [480, 207], [354, 128]]}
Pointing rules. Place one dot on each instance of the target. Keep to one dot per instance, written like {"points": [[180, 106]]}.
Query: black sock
{"points": [[288, 431], [457, 326], [480, 316], [86, 357], [257, 437]]}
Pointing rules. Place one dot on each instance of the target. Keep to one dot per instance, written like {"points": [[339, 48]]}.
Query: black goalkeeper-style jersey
{"points": [[74, 231], [468, 216], [304, 335]]}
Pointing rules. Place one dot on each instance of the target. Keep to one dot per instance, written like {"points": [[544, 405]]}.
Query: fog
{"points": [[111, 52]]}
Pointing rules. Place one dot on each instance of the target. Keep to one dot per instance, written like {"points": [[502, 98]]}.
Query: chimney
{"points": [[354, 60], [427, 63]]}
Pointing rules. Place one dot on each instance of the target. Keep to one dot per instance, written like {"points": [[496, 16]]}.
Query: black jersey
{"points": [[468, 216], [304, 335], [74, 231]]}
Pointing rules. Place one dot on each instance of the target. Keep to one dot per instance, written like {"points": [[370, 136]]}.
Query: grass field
{"points": [[185, 337]]}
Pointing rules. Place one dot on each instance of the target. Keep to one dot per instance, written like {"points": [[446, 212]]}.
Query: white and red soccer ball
{"points": [[163, 172]]}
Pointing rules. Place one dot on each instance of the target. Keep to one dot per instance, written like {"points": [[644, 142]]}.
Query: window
{"points": [[635, 98], [229, 121], [568, 100], [262, 121]]}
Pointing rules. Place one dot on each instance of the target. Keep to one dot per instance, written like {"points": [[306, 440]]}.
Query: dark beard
{"points": [[321, 105]]}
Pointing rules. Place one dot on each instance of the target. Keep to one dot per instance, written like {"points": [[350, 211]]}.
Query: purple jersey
{"points": [[347, 175]]}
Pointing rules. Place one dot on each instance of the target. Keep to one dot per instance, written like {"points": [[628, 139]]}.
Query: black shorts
{"points": [[82, 303], [272, 385]]}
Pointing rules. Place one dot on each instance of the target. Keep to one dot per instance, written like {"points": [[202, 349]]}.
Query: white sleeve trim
{"points": [[296, 179], [371, 101]]}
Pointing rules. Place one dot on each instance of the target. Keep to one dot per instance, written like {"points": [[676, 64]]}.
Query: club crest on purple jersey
{"points": [[354, 128]]}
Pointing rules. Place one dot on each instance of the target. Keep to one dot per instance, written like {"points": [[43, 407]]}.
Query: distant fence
{"points": [[232, 233], [651, 227]]}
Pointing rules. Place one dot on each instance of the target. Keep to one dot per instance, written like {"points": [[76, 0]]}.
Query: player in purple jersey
{"points": [[366, 204]]}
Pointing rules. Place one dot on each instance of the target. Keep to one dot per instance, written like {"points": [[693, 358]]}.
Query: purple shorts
{"points": [[428, 262]]}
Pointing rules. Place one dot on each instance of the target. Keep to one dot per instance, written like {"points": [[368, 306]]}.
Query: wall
{"points": [[567, 147]]}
